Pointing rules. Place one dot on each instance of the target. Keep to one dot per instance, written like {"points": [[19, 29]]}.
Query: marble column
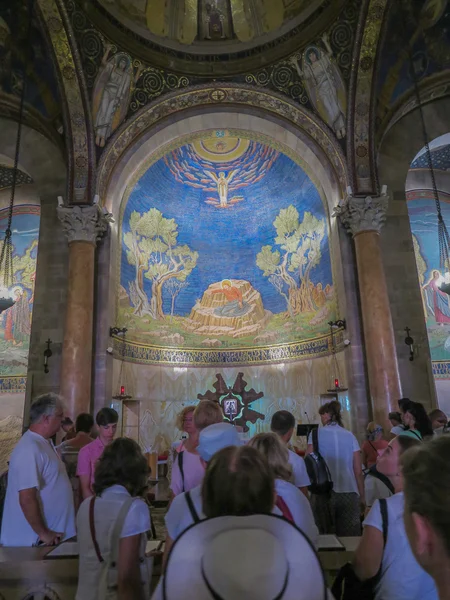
{"points": [[364, 218], [84, 226]]}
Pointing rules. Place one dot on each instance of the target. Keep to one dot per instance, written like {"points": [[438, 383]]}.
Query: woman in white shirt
{"points": [[112, 527], [400, 577], [291, 502], [340, 512], [426, 508]]}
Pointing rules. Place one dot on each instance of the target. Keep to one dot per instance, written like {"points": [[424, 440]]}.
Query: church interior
{"points": [[246, 197]]}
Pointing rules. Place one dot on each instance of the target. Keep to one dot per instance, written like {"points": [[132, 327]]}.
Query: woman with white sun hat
{"points": [[241, 551]]}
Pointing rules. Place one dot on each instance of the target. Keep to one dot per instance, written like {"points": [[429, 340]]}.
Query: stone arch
{"points": [[44, 162], [226, 107], [202, 100], [399, 146]]}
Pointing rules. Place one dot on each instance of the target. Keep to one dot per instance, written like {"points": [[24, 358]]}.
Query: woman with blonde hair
{"points": [[188, 470], [292, 504], [374, 445]]}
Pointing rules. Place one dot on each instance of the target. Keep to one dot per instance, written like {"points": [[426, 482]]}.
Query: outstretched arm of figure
{"points": [[231, 176], [294, 60], [326, 43], [106, 54], [212, 175], [138, 72]]}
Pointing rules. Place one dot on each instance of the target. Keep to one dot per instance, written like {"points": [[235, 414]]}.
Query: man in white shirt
{"points": [[283, 424], [39, 502]]}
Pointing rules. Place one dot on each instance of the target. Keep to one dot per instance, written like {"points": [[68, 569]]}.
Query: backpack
{"points": [[317, 468]]}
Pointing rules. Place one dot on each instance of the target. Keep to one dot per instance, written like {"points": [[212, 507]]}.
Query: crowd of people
{"points": [[242, 521]]}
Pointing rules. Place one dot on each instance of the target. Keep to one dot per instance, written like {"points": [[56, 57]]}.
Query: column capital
{"points": [[362, 214], [83, 223]]}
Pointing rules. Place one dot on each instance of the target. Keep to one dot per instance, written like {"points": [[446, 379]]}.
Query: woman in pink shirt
{"points": [[188, 470], [88, 456]]}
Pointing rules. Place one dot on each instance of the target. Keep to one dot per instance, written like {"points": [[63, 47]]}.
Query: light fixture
{"points": [[47, 354], [7, 298], [338, 324], [117, 331]]}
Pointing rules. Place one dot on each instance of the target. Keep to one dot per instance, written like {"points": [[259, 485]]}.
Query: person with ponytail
{"points": [[340, 511]]}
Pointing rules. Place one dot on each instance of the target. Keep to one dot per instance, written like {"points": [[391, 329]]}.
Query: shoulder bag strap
{"points": [[281, 504], [194, 513], [373, 446], [417, 436], [117, 529], [372, 472], [92, 528], [180, 466], [315, 439], [385, 519]]}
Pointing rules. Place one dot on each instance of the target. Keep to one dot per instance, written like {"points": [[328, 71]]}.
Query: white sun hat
{"points": [[257, 557], [216, 437]]}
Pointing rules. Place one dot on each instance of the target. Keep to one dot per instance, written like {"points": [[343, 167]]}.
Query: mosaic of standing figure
{"points": [[15, 323], [324, 84], [112, 92]]}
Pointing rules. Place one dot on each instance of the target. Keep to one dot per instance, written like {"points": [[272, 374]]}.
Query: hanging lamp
{"points": [[339, 324], [443, 236], [6, 254]]}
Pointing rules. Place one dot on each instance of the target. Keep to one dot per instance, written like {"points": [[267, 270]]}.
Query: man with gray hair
{"points": [[39, 503]]}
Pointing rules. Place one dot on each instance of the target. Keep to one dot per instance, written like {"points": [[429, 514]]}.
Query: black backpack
{"points": [[318, 471]]}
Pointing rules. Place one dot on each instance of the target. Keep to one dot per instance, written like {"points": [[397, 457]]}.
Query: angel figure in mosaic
{"points": [[112, 93], [324, 85]]}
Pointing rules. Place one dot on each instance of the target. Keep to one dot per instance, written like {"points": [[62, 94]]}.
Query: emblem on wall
{"points": [[235, 401]]}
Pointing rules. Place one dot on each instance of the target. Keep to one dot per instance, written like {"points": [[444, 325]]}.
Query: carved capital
{"points": [[83, 223], [362, 214]]}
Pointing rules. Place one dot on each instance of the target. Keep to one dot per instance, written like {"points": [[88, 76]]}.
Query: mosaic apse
{"points": [[424, 228], [15, 323], [224, 247]]}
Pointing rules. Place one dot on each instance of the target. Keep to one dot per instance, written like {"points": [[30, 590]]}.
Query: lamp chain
{"points": [[443, 235]]}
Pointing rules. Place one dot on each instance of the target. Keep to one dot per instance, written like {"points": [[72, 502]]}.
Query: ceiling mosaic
{"points": [[42, 87], [209, 21], [419, 27], [209, 38], [440, 155], [224, 247]]}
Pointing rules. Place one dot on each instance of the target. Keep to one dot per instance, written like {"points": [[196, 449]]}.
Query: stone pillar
{"points": [[84, 226], [364, 217]]}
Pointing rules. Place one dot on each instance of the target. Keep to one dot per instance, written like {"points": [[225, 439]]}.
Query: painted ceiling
{"points": [[440, 155], [210, 21], [420, 28], [224, 245], [42, 87], [201, 37]]}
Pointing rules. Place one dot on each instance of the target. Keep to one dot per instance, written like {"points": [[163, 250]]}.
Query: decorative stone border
{"points": [[225, 96], [13, 384], [441, 369], [189, 357]]}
